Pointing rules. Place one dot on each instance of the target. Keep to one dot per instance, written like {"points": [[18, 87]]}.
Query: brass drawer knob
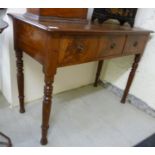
{"points": [[113, 46], [135, 44]]}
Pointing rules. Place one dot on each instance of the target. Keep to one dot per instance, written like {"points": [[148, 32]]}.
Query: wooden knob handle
{"points": [[80, 48], [135, 44], [113, 46]]}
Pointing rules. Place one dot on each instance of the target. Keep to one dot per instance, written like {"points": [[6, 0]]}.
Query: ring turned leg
{"points": [[131, 76], [47, 102], [99, 68], [20, 79]]}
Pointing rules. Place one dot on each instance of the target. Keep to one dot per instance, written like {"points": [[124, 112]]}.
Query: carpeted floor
{"points": [[86, 116]]}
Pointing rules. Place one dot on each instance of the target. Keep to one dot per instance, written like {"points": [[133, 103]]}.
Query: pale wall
{"points": [[66, 78], [114, 71], [7, 59]]}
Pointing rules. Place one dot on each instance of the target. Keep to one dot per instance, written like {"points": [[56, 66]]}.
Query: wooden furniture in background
{"points": [[66, 14], [59, 12], [4, 25], [123, 15], [55, 43]]}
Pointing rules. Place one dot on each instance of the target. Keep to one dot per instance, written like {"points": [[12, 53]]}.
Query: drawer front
{"points": [[77, 49], [135, 44], [111, 45]]}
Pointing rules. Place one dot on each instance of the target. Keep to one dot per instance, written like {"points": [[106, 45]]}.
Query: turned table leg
{"points": [[131, 77], [46, 109], [20, 79], [99, 68]]}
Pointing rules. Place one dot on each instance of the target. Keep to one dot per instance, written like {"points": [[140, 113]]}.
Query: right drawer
{"points": [[135, 44]]}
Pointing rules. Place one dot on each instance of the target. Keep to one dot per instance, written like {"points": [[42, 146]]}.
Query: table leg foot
{"points": [[131, 77], [43, 141], [99, 68], [20, 78], [22, 107], [22, 110], [123, 100], [47, 102]]}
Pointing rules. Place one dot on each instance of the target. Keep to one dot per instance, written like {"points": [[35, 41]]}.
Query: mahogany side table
{"points": [[57, 43]]}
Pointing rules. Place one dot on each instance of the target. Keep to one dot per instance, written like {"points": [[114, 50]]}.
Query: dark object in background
{"points": [[123, 15], [148, 142], [2, 12], [8, 143], [4, 25]]}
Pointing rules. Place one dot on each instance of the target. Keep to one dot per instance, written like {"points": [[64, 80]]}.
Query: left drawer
{"points": [[77, 49]]}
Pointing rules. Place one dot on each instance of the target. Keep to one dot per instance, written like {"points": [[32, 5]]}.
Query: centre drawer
{"points": [[111, 45], [77, 49]]}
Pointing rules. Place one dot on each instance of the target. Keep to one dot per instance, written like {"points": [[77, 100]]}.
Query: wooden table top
{"points": [[70, 27]]}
